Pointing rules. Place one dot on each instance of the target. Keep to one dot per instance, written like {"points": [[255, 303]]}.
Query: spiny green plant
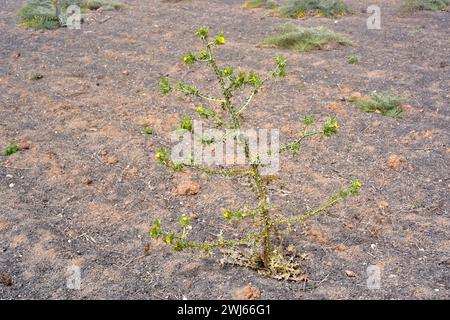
{"points": [[49, 14], [433, 5], [325, 8], [11, 149], [266, 4], [387, 104], [305, 38], [260, 247]]}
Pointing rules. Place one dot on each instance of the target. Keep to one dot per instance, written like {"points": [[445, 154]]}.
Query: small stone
{"points": [[186, 188], [394, 161], [375, 123], [383, 205], [125, 72], [407, 108], [86, 181], [336, 108], [5, 279], [112, 160], [248, 292], [11, 185], [350, 273], [9, 176], [104, 152], [341, 249], [24, 145], [346, 90], [193, 216]]}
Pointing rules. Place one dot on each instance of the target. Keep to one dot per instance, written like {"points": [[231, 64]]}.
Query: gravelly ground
{"points": [[65, 201]]}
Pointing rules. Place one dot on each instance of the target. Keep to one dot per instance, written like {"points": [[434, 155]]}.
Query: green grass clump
{"points": [[11, 149], [266, 4], [353, 59], [323, 8], [433, 5], [147, 130], [42, 14], [385, 103], [305, 39]]}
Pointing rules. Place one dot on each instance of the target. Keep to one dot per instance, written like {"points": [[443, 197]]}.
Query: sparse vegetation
{"points": [[11, 149], [385, 103], [321, 8], [353, 59], [186, 124], [305, 38], [264, 249], [433, 5], [50, 14], [147, 130], [266, 4]]}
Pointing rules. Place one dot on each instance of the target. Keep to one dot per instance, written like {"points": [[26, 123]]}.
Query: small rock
{"points": [[407, 108], [346, 90], [86, 181], [112, 160], [11, 185], [394, 161], [375, 123], [186, 188], [336, 108], [350, 273], [32, 76], [9, 176], [125, 72], [383, 205], [427, 134], [24, 145], [193, 216], [341, 249], [104, 152], [317, 235], [5, 279], [248, 292]]}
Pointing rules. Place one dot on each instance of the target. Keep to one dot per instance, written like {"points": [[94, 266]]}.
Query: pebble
{"points": [[11, 185]]}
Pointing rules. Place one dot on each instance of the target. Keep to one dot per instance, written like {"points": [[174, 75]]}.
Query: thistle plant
{"points": [[260, 247]]}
